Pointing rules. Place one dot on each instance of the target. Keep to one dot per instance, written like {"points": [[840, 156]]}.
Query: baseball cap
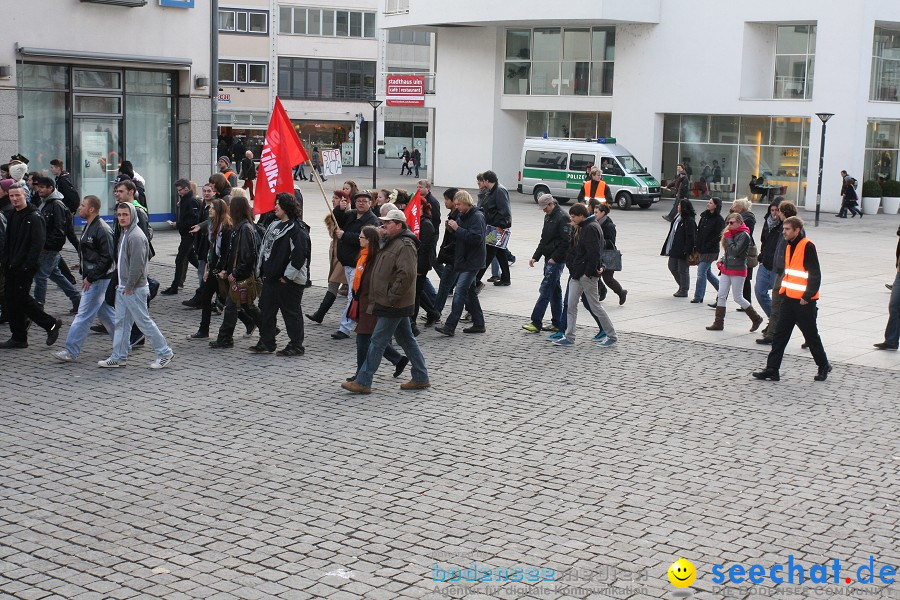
{"points": [[394, 215]]}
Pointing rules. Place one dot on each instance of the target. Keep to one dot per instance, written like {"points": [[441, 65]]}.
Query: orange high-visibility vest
{"points": [[601, 190], [795, 276]]}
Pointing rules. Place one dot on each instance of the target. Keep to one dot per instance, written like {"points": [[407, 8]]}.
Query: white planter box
{"points": [[870, 205], [890, 206]]}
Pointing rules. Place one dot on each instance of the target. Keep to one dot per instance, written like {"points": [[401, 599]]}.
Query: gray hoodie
{"points": [[132, 254]]}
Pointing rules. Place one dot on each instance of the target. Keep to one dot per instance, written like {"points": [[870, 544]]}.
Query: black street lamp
{"points": [[824, 118], [374, 104]]}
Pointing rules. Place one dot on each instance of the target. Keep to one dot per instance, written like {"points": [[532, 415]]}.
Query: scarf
{"points": [[730, 233], [772, 222], [360, 268]]}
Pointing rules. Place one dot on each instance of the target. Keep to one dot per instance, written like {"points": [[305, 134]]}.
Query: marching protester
{"points": [[445, 259], [744, 207], [369, 241], [56, 221], [132, 293], [800, 286], [469, 257], [283, 266], [706, 246], [238, 267], [349, 225], [554, 245], [679, 244], [733, 269], [339, 200], [98, 263], [609, 239], [585, 266], [25, 235], [892, 329], [225, 169], [426, 255], [187, 216], [497, 213], [785, 209], [765, 274], [65, 186], [392, 298]]}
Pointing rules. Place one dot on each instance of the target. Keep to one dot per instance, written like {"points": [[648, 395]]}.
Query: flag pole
{"points": [[330, 222]]}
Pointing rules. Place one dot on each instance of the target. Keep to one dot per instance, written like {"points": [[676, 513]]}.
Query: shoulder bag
{"points": [[245, 291]]}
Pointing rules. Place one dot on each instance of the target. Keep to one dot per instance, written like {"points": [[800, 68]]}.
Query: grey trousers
{"points": [[681, 271], [587, 286]]}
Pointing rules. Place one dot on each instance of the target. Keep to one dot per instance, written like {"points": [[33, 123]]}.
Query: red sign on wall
{"points": [[405, 90]]}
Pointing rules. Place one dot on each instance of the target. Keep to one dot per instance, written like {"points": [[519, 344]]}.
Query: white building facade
{"points": [[94, 83], [690, 81]]}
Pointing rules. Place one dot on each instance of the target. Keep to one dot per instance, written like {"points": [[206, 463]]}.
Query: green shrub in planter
{"points": [[890, 189], [871, 189]]}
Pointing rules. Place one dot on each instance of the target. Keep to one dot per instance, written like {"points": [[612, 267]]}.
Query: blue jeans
{"points": [[465, 296], [765, 279], [495, 268], [550, 293], [132, 309], [429, 292], [48, 268], [704, 274], [892, 331], [348, 324], [92, 306], [362, 351], [448, 280], [400, 329]]}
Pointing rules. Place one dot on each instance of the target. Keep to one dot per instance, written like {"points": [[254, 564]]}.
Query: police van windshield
{"points": [[631, 164]]}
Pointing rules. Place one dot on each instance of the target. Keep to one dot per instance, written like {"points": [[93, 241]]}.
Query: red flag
{"points": [[413, 213], [281, 152]]}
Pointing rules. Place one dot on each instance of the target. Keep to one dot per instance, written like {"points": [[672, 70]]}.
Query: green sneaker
{"points": [[531, 328], [551, 329]]}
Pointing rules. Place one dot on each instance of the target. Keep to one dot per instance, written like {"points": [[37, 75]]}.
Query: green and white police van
{"points": [[557, 167]]}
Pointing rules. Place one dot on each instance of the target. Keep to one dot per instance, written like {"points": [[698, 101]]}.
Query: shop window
{"points": [[574, 125], [882, 147], [550, 61], [93, 79], [885, 81], [795, 55]]}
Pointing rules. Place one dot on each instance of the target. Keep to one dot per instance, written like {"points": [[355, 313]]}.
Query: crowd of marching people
{"points": [[383, 246]]}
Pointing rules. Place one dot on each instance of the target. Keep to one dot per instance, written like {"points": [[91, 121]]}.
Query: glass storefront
{"points": [[400, 134], [722, 152], [333, 135], [882, 147], [92, 118]]}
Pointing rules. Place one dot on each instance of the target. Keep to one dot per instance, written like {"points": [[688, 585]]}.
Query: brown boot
{"points": [[719, 322], [754, 316]]}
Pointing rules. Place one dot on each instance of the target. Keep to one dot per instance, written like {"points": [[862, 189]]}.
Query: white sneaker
{"points": [[63, 356], [110, 363], [160, 363]]}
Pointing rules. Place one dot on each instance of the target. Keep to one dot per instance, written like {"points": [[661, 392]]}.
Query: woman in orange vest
{"points": [[800, 288], [595, 187]]}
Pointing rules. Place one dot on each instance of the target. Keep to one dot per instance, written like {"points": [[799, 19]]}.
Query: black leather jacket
{"points": [[555, 236], [56, 216], [96, 249], [496, 208], [242, 252]]}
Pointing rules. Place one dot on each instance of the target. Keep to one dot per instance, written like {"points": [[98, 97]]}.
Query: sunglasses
{"points": [[732, 222]]}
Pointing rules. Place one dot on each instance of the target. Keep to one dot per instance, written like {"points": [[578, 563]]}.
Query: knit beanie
{"points": [[6, 184], [226, 160]]}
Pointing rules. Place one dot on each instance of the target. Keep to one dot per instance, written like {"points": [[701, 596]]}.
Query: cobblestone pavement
{"points": [[230, 475]]}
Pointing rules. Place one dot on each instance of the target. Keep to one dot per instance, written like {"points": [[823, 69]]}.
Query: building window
{"points": [[299, 20], [795, 59], [885, 66], [409, 37], [300, 78], [554, 61], [721, 152], [882, 148], [243, 72], [243, 21], [575, 125]]}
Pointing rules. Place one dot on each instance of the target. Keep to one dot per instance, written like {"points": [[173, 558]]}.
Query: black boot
{"points": [[319, 315], [822, 375], [767, 373]]}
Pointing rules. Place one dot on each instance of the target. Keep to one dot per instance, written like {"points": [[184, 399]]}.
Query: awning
{"points": [[175, 61]]}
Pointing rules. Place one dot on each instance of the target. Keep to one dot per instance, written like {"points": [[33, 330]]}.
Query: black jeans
{"points": [[285, 297], [208, 291], [21, 306], [748, 287], [608, 277], [804, 317], [229, 319], [500, 255], [185, 254]]}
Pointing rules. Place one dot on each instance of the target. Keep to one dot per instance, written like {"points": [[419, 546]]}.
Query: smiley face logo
{"points": [[682, 573]]}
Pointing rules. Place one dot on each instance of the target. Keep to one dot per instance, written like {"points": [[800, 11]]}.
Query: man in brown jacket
{"points": [[392, 299]]}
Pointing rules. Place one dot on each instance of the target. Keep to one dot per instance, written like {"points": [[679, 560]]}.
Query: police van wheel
{"points": [[623, 200], [562, 200], [645, 206], [539, 190]]}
